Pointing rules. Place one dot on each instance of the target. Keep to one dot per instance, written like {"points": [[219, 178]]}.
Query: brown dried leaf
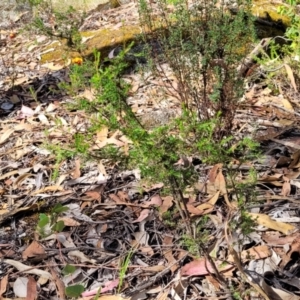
{"points": [[117, 199], [31, 289], [52, 188], [220, 183], [295, 163], [275, 238], [3, 285], [123, 196], [167, 203], [202, 267], [76, 173], [155, 200], [194, 210], [210, 203], [5, 135], [143, 215], [68, 221], [94, 195], [59, 284], [34, 249], [154, 269], [286, 188], [214, 172], [171, 260], [254, 253]]}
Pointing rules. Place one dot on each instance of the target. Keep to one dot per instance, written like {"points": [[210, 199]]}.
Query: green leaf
{"points": [[58, 226], [58, 208], [68, 269], [44, 220], [74, 290]]}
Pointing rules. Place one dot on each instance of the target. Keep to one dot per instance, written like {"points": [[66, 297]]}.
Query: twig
{"points": [[153, 279], [284, 109], [238, 264], [177, 197]]}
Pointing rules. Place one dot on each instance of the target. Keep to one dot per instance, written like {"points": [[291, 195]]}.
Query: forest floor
{"points": [[123, 238]]}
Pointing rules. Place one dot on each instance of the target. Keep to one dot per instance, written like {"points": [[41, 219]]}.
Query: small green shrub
{"points": [[204, 44]]}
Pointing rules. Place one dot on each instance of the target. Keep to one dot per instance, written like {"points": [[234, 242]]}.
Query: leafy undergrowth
{"points": [[76, 224]]}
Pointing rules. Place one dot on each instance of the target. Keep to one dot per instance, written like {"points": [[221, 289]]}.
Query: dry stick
{"points": [[57, 265], [238, 264], [179, 196], [287, 144], [249, 60], [284, 109], [153, 279], [216, 273]]}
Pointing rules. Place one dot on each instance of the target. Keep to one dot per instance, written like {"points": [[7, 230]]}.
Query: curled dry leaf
{"points": [[171, 260], [154, 269], [53, 188], [76, 173], [220, 183], [76, 254], [31, 289], [143, 215], [286, 188], [93, 195], [154, 201], [34, 249], [5, 135], [266, 221], [194, 210], [43, 119], [26, 269], [214, 172], [3, 285], [209, 205], [59, 284], [291, 76], [68, 221], [167, 203]]}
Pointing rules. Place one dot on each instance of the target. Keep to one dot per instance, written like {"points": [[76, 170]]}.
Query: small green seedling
{"points": [[124, 267], [49, 223], [75, 290]]}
